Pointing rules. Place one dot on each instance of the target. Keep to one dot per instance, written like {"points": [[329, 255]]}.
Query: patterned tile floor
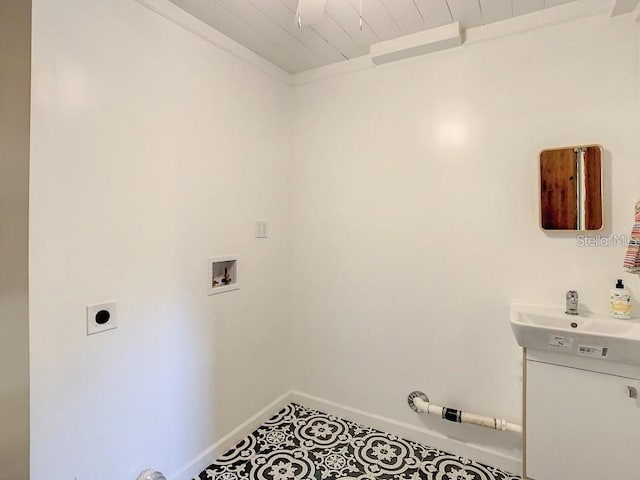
{"points": [[303, 444]]}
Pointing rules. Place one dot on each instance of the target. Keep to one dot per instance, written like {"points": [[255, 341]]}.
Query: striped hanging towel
{"points": [[632, 258]]}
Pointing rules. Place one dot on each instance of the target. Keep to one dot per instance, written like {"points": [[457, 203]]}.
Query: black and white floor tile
{"points": [[303, 444]]}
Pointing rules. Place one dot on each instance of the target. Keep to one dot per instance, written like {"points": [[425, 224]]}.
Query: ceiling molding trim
{"points": [[622, 7], [567, 12], [333, 70], [185, 20], [512, 26], [532, 21]]}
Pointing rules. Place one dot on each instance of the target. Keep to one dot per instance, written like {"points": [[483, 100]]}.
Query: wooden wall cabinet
{"points": [[571, 188]]}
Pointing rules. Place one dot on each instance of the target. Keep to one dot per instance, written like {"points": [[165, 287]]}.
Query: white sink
{"points": [[589, 334]]}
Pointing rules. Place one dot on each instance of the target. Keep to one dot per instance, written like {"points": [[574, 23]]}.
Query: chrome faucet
{"points": [[572, 303]]}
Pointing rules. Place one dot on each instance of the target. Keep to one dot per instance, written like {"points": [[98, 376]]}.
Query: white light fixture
{"points": [[427, 41]]}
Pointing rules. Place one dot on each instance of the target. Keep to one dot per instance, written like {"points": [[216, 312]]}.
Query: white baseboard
{"points": [[208, 456], [404, 430], [410, 432]]}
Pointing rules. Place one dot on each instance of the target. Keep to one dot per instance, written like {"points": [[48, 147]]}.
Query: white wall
{"points": [[415, 216], [413, 220], [15, 29], [151, 150]]}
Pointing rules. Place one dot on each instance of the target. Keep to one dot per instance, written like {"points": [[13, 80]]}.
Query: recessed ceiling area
{"points": [[268, 27]]}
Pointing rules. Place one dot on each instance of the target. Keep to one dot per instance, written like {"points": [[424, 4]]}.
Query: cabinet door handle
{"points": [[633, 392]]}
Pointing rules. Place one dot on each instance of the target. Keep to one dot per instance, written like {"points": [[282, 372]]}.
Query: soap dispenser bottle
{"points": [[620, 301]]}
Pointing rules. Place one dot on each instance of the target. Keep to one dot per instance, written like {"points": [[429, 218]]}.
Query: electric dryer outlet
{"points": [[101, 317]]}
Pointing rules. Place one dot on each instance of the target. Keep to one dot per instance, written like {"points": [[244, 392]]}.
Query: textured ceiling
{"points": [[268, 27]]}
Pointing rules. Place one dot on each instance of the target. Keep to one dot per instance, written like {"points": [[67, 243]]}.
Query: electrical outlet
{"points": [[101, 317], [262, 229]]}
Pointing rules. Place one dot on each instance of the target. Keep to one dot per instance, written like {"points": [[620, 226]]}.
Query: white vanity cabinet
{"points": [[581, 420]]}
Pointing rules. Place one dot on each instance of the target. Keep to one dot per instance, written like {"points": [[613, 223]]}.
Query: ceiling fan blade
{"points": [[309, 12]]}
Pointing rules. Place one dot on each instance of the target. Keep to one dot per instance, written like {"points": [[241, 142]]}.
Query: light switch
{"points": [[262, 229]]}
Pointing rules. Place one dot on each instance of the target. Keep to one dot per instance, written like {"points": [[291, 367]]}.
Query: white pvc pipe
{"points": [[471, 418]]}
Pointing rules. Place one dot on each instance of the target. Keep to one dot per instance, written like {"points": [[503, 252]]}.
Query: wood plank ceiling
{"points": [[268, 27]]}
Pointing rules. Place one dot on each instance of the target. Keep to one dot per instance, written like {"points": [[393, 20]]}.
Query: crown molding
{"points": [[540, 19], [622, 7], [512, 26], [567, 12], [190, 23]]}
